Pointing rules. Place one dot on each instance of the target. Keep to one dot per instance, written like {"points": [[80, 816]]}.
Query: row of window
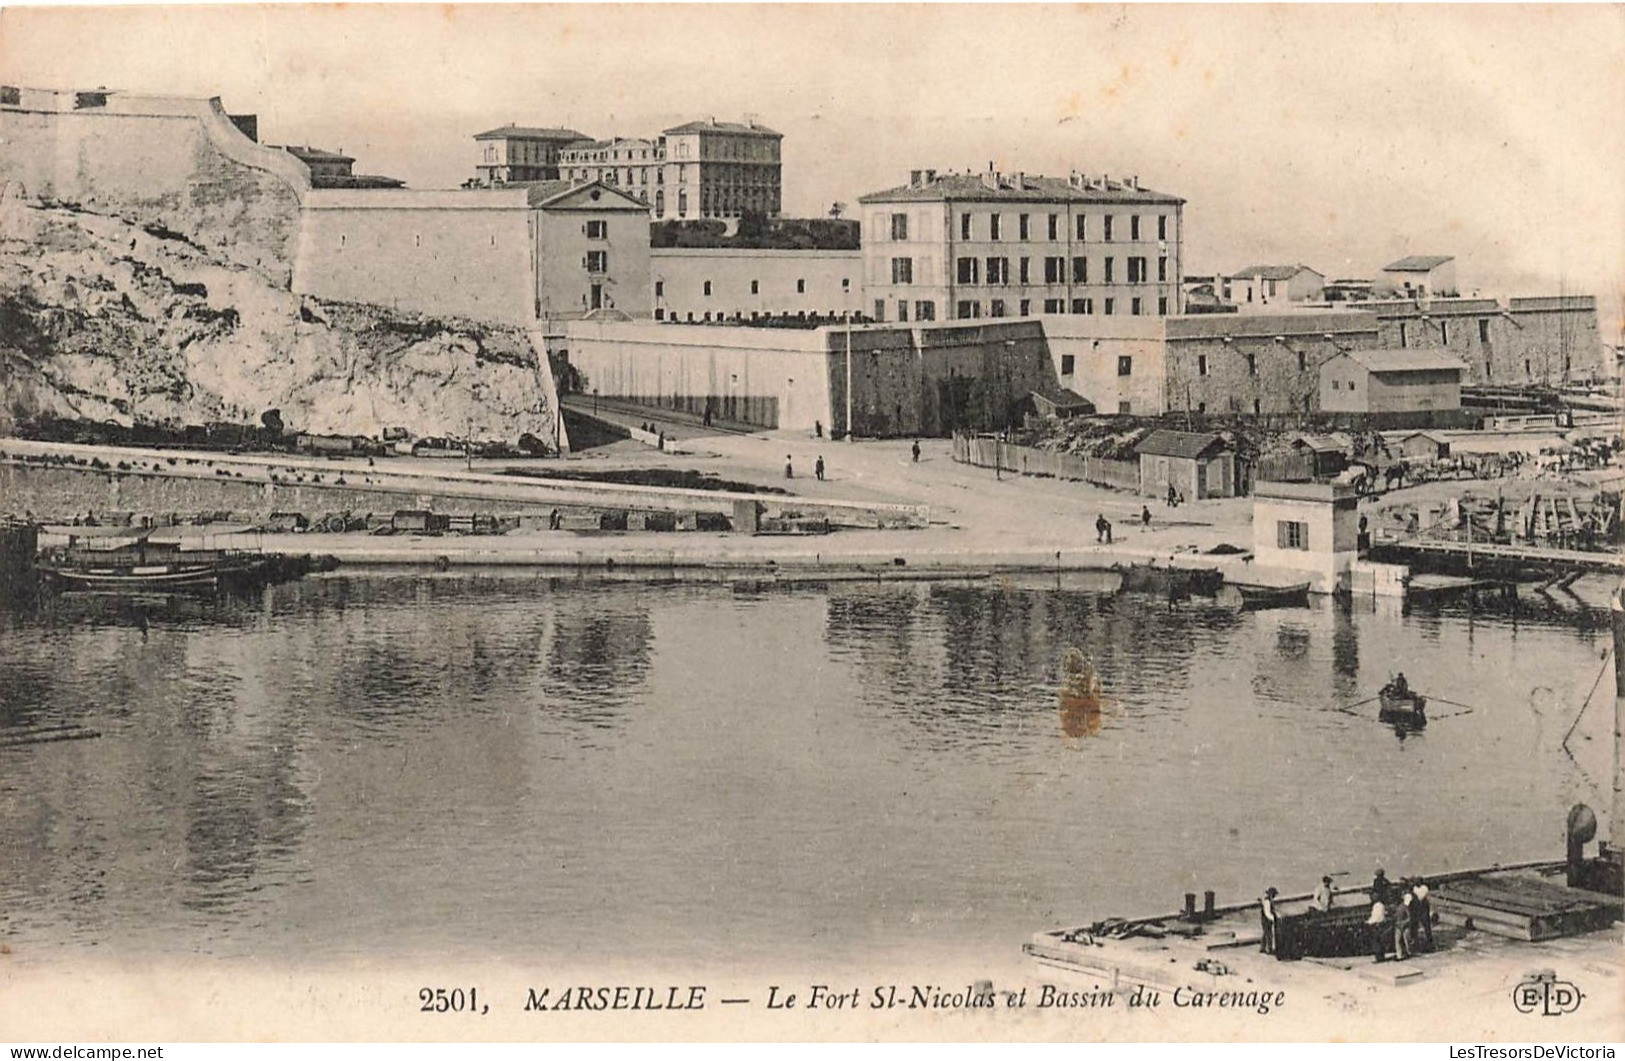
{"points": [[995, 271], [1052, 225], [755, 287], [707, 317], [970, 309]]}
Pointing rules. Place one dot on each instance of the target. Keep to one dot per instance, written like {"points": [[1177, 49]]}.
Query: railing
{"points": [[984, 452]]}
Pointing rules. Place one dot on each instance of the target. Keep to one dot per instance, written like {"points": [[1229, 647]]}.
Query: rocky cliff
{"points": [[111, 319]]}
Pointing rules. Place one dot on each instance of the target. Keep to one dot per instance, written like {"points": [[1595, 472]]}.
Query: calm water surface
{"points": [[512, 766]]}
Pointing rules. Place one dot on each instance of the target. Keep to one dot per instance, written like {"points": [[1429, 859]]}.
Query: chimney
{"points": [[930, 176], [1019, 183], [1134, 182], [914, 176], [1105, 182], [990, 181]]}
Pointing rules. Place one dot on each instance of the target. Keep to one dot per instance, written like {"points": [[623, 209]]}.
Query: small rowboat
{"points": [[1255, 596], [1402, 708]]}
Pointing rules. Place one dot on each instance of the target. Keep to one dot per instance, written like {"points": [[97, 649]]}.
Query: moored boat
{"points": [[1402, 706], [145, 566], [1257, 596], [1180, 581]]}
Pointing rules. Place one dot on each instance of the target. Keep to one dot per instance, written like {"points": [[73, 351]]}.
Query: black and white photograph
{"points": [[811, 522]]}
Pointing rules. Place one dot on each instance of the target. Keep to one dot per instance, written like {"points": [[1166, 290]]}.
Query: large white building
{"points": [[967, 246], [701, 169]]}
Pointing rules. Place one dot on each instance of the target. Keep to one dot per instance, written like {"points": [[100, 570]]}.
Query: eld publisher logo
{"points": [[1545, 994]]}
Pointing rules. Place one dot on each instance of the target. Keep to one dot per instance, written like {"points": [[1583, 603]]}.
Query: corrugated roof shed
{"points": [[1189, 444], [1417, 263], [1405, 360]]}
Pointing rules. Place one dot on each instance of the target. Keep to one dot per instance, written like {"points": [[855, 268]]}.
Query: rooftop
{"points": [[1189, 444], [1018, 187], [1271, 272], [1405, 360], [1418, 263], [529, 132], [305, 153], [711, 125]]}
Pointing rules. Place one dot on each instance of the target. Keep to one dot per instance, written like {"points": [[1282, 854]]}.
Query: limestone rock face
{"points": [[104, 318]]}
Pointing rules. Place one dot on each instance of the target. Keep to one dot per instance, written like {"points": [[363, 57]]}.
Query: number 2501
{"points": [[455, 1000]]}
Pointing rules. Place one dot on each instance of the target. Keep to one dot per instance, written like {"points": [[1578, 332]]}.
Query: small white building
{"points": [[1258, 286], [1390, 381], [1418, 276], [1307, 529]]}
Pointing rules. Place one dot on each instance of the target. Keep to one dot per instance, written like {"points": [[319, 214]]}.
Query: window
{"points": [[598, 230], [902, 270], [1054, 226], [880, 309], [755, 287], [1290, 534], [996, 308], [1054, 270], [993, 226], [967, 270], [964, 226], [660, 288], [1444, 332], [1026, 307], [1162, 306], [1125, 365], [899, 226], [1078, 304], [1107, 223], [1303, 361], [1110, 307], [902, 310], [1088, 306], [1201, 364], [1162, 226], [1162, 270], [1054, 305], [1025, 271], [1080, 270], [846, 283], [801, 287], [1134, 227], [968, 310], [925, 310], [998, 270], [707, 291], [1258, 406], [1022, 231], [1124, 408], [1068, 364], [1484, 332], [1082, 227], [1252, 364], [1109, 263], [1136, 306], [1134, 269], [598, 262], [1401, 332]]}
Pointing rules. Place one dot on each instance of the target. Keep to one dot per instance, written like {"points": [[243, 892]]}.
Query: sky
{"points": [[1342, 136]]}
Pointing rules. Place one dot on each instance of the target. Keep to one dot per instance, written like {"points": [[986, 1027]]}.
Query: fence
{"points": [[986, 452]]}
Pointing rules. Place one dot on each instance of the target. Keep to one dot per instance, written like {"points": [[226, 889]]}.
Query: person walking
{"points": [[789, 467], [1270, 920], [916, 451], [1145, 517], [1101, 527], [818, 468], [1172, 493]]}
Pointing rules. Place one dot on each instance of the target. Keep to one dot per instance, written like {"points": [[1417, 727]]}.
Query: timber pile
{"points": [[1524, 908], [21, 736]]}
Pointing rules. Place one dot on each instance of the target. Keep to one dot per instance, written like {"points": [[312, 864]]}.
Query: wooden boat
{"points": [[145, 567], [1179, 581], [1402, 707], [1255, 596]]}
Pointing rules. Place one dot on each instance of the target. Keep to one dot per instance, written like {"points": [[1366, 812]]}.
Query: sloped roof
{"points": [[1418, 263], [1405, 360], [969, 187], [529, 132], [1271, 272], [314, 154], [546, 194], [1064, 398], [1188, 444], [1324, 443], [733, 128]]}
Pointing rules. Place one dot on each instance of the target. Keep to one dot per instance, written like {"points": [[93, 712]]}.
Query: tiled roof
{"points": [[529, 132], [734, 128], [1405, 360], [1417, 263], [314, 154], [1271, 272], [1179, 444], [970, 187]]}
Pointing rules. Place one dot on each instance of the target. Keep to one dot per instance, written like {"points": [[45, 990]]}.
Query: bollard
{"points": [[1207, 906], [1190, 906]]}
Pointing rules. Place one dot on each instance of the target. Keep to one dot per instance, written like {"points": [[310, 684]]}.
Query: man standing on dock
{"points": [[1266, 911], [1423, 912], [1323, 895], [1402, 928], [1376, 924]]}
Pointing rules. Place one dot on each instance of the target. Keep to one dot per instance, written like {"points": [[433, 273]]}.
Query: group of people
{"points": [[1401, 918], [1400, 911], [790, 467]]}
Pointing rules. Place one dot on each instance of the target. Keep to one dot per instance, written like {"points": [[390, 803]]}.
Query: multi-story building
{"points": [[703, 169], [966, 246], [517, 153]]}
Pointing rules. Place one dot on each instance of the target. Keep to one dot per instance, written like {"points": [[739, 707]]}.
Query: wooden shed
{"points": [[1196, 465]]}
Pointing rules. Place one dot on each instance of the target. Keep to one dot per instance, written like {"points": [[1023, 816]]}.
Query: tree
{"points": [[271, 420]]}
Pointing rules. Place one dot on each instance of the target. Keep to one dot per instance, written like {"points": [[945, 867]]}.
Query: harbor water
{"points": [[501, 765]]}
